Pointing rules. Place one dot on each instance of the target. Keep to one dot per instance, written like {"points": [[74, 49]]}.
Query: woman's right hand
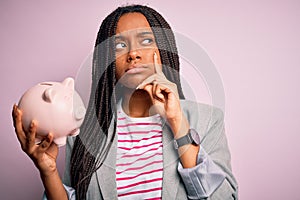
{"points": [[43, 154]]}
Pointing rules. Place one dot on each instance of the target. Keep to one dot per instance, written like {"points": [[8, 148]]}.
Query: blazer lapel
{"points": [[106, 174]]}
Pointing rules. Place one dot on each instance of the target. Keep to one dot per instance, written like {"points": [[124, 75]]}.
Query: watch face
{"points": [[195, 136]]}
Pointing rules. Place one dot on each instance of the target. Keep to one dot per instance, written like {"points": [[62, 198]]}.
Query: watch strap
{"points": [[187, 139]]}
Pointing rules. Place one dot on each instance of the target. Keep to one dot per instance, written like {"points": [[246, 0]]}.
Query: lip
{"points": [[136, 68]]}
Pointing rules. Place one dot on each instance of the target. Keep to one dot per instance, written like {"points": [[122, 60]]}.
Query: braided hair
{"points": [[92, 145]]}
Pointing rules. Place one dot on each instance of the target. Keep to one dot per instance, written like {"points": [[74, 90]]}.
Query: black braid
{"points": [[90, 147]]}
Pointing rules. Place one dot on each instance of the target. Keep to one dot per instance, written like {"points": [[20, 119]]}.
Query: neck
{"points": [[136, 103]]}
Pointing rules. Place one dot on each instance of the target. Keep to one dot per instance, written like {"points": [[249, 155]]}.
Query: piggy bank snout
{"points": [[79, 113]]}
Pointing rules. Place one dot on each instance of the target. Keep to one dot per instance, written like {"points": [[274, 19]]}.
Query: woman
{"points": [[136, 113]]}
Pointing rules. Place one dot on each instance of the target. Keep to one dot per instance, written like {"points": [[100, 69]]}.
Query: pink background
{"points": [[255, 47]]}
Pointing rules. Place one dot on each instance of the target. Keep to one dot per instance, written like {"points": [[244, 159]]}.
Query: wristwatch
{"points": [[192, 137]]}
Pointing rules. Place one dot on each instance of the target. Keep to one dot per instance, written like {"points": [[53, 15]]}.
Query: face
{"points": [[135, 47]]}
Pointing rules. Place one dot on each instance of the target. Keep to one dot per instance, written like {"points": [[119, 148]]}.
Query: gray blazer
{"points": [[208, 122]]}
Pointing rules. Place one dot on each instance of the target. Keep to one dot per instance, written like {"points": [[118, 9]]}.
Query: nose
{"points": [[133, 55]]}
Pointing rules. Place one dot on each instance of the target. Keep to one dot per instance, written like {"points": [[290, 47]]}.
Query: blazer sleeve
{"points": [[67, 177], [212, 177]]}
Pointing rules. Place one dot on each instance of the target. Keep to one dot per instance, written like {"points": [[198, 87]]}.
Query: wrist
{"points": [[179, 126], [48, 173]]}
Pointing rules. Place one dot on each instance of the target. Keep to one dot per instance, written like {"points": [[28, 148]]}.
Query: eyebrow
{"points": [[145, 33], [119, 37], [140, 34]]}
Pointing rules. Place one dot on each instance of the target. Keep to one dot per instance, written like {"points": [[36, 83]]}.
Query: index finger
{"points": [[157, 66]]}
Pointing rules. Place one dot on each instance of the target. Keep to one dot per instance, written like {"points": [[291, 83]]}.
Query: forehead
{"points": [[132, 21]]}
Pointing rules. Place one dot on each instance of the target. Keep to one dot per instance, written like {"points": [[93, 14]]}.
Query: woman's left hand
{"points": [[165, 98]]}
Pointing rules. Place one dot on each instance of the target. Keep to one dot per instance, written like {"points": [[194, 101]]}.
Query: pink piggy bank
{"points": [[56, 107]]}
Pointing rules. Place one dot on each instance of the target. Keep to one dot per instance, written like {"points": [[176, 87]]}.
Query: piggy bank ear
{"points": [[49, 95], [68, 82]]}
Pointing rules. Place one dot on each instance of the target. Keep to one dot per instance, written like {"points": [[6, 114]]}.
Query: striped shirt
{"points": [[139, 164]]}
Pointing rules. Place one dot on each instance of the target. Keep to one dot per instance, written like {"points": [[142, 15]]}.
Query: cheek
{"points": [[148, 55], [119, 67], [118, 74]]}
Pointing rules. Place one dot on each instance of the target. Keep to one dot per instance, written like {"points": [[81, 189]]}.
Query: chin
{"points": [[131, 82], [131, 85]]}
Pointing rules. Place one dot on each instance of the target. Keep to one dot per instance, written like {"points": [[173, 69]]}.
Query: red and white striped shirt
{"points": [[139, 166]]}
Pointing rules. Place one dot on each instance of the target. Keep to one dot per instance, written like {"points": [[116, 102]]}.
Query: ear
{"points": [[68, 82], [49, 95]]}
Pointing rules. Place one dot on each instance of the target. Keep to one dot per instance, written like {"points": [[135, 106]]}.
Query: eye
{"points": [[147, 41], [120, 45]]}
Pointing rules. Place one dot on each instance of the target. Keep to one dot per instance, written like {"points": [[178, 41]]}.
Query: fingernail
{"points": [[138, 87], [32, 123], [17, 111]]}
